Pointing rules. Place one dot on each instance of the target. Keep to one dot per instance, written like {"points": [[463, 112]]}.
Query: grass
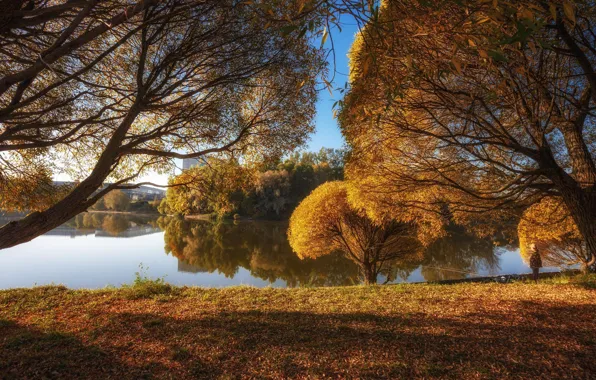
{"points": [[154, 330], [144, 287]]}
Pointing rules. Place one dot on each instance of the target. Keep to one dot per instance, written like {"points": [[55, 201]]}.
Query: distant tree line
{"points": [[118, 200], [224, 187]]}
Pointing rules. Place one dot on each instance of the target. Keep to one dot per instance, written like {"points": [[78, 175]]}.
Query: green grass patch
{"points": [[145, 287]]}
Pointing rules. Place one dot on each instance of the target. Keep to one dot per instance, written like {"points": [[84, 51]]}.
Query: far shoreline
{"points": [[123, 212]]}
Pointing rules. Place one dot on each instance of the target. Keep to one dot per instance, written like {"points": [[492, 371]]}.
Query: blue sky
{"points": [[327, 131]]}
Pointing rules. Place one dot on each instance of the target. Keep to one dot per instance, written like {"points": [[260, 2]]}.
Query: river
{"points": [[97, 250]]}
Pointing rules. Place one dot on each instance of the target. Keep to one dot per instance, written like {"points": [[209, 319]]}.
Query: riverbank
{"points": [[127, 213], [211, 217], [472, 330], [198, 217]]}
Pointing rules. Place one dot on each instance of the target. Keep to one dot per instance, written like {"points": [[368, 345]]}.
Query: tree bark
{"points": [[369, 274], [581, 203], [579, 198], [77, 201], [584, 168]]}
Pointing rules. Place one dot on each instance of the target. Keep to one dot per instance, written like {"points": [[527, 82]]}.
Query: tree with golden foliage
{"points": [[207, 188], [116, 200], [480, 106], [551, 228], [325, 222], [115, 88], [28, 191]]}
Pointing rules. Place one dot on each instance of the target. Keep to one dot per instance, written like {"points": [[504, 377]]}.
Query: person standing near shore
{"points": [[535, 262]]}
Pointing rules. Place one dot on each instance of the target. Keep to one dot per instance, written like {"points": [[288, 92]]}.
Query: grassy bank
{"points": [[152, 330]]}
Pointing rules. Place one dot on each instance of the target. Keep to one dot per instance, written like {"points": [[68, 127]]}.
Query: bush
{"points": [[145, 287]]}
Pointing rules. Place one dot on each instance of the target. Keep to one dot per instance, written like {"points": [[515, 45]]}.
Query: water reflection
{"points": [[94, 250], [459, 255], [109, 225], [262, 248]]}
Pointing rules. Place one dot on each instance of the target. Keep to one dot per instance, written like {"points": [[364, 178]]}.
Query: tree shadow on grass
{"points": [[542, 342], [30, 353], [520, 339]]}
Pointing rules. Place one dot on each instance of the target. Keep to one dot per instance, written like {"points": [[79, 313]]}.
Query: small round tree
{"points": [[116, 200], [325, 222]]}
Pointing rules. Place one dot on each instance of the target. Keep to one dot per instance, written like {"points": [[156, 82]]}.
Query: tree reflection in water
{"points": [[260, 247], [457, 256], [114, 225]]}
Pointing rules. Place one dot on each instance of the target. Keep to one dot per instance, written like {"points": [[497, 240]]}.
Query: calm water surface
{"points": [[96, 250]]}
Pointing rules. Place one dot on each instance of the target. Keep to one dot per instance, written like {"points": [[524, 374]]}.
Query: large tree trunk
{"points": [[583, 211], [38, 223], [77, 201], [581, 203], [584, 168], [578, 192], [369, 273]]}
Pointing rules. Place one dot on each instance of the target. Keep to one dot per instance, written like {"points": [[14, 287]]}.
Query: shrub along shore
{"points": [[154, 330]]}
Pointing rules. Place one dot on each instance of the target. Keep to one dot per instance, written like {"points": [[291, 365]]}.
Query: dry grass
{"points": [[406, 331]]}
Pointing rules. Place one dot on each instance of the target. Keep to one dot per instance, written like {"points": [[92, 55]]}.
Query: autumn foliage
{"points": [[222, 186], [32, 190], [477, 108], [549, 226], [116, 200], [107, 91], [325, 222]]}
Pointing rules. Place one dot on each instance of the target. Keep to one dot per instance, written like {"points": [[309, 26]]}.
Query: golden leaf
{"points": [[569, 11], [324, 38], [553, 11], [457, 65], [328, 85]]}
